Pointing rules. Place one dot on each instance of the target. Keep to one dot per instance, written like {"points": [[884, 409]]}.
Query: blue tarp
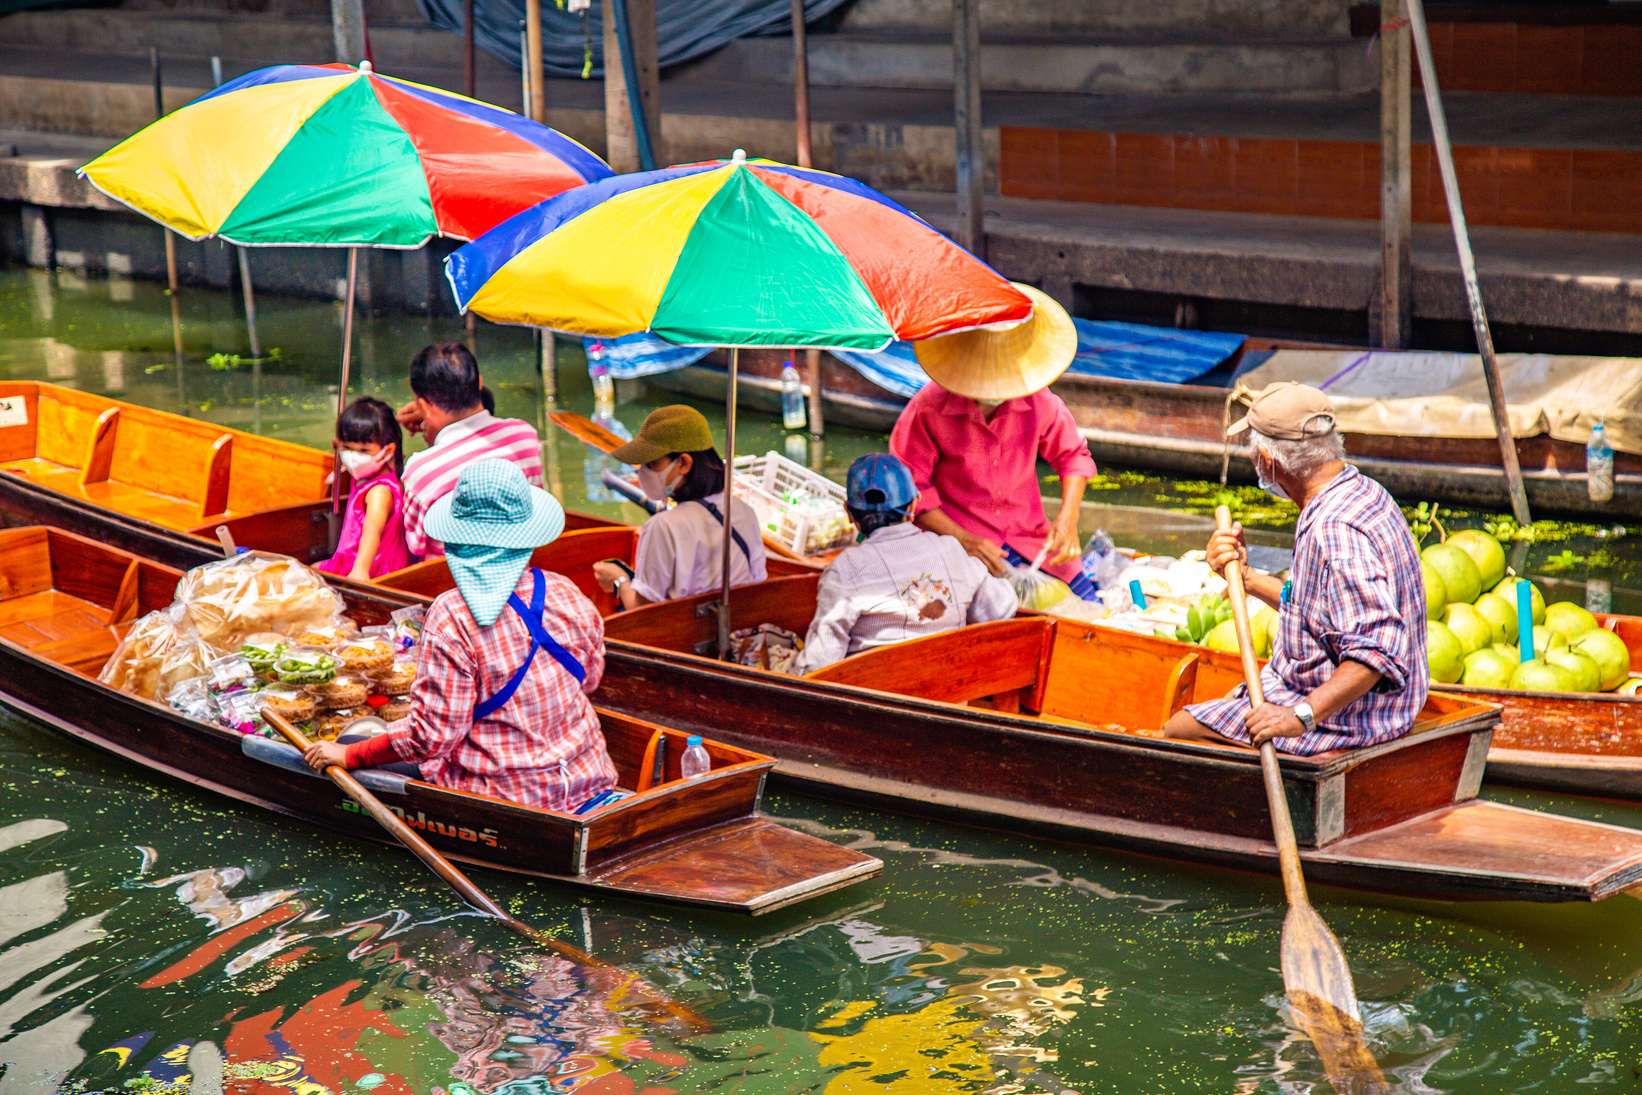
{"points": [[1122, 351], [685, 29]]}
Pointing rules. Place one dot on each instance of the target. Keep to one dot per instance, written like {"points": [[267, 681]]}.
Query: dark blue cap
{"points": [[880, 483]]}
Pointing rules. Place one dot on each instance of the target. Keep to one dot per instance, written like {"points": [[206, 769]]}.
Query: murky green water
{"points": [[140, 918]]}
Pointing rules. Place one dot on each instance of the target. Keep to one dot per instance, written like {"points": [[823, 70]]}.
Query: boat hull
{"points": [[1169, 799]]}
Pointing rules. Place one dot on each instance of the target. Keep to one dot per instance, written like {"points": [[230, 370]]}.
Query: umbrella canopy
{"points": [[731, 253], [331, 155]]}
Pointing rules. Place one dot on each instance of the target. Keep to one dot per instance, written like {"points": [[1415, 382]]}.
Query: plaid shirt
{"points": [[1358, 595], [541, 748]]}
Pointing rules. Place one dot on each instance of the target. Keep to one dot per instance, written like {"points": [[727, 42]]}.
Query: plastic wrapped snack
{"points": [[292, 703], [342, 691], [396, 708], [255, 592], [394, 679], [407, 625], [327, 633], [231, 673], [1037, 590], [303, 665], [264, 649], [192, 699], [327, 725], [366, 654], [159, 652], [242, 712]]}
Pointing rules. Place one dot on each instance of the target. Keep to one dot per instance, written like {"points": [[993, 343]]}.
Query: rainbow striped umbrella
{"points": [[731, 253], [331, 155]]}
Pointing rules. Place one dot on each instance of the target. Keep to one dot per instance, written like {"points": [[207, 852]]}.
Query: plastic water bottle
{"points": [[1599, 465], [604, 388], [695, 761], [792, 399]]}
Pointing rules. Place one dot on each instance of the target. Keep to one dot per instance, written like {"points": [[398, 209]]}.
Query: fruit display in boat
{"points": [[1609, 652], [1508, 590], [1546, 640], [1540, 675], [1461, 580], [1436, 594], [1469, 626], [1445, 653], [1488, 668], [1501, 614], [1484, 551], [1569, 620], [1587, 677]]}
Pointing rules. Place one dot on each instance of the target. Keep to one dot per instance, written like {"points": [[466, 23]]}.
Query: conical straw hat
{"points": [[1006, 364]]}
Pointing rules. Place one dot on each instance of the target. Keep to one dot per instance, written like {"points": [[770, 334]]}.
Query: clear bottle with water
{"points": [[695, 761], [594, 462], [604, 388], [793, 416], [1599, 465]]}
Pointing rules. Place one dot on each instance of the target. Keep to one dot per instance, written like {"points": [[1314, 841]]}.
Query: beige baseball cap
{"points": [[677, 428], [1289, 411]]}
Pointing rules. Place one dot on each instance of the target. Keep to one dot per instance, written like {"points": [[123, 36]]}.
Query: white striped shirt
{"points": [[432, 473]]}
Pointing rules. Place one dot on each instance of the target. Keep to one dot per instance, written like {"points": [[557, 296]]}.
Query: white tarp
{"points": [[1419, 394]]}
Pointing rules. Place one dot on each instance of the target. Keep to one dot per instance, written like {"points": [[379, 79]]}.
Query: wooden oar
{"points": [[474, 896], [585, 429], [1315, 975]]}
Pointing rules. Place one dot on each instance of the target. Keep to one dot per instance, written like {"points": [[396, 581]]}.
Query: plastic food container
{"points": [[365, 655], [801, 509], [343, 691], [395, 679]]}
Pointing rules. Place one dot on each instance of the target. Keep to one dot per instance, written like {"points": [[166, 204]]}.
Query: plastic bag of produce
{"points": [[1037, 590], [255, 592]]}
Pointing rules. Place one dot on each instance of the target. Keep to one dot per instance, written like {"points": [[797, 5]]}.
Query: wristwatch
{"points": [[615, 586], [1302, 711]]}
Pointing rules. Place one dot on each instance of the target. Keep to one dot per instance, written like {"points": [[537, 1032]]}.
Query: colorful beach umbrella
{"points": [[731, 253], [334, 156]]}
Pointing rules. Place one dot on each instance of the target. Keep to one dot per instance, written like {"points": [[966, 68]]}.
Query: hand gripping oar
{"points": [[646, 995], [1315, 975]]}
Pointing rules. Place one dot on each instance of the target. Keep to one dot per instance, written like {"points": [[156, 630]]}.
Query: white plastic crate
{"points": [[799, 508]]}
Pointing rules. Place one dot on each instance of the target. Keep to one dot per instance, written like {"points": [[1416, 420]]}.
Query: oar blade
{"points": [[1314, 964], [585, 429], [1345, 1056]]}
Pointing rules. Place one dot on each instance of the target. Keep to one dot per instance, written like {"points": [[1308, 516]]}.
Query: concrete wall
{"points": [[1287, 18]]}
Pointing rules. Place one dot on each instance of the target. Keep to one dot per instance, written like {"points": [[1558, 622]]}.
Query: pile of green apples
{"points": [[1471, 635]]}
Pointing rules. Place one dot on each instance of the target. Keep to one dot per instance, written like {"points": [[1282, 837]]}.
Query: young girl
{"points": [[373, 531]]}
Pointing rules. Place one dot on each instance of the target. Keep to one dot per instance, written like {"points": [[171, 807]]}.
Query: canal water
{"points": [[149, 931]]}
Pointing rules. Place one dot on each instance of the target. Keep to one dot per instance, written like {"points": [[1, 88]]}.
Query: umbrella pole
{"points": [[335, 516], [729, 478]]}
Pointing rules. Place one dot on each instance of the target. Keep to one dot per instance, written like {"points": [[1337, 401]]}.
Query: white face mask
{"points": [[654, 483], [1270, 486], [363, 465]]}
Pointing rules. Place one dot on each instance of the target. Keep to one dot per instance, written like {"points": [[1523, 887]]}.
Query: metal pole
{"points": [[347, 331], [533, 59], [1468, 265], [1396, 193], [970, 160], [729, 476], [467, 49], [801, 82]]}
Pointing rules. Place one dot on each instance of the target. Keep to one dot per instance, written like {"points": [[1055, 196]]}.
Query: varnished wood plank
{"points": [[18, 442], [676, 625], [1100, 676], [955, 666], [298, 529], [218, 467], [99, 452], [123, 609], [25, 564]]}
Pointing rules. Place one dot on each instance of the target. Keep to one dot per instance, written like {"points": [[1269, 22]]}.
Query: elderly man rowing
{"points": [[1348, 665]]}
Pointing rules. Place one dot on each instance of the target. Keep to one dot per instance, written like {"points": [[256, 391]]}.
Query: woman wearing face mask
{"points": [[680, 550], [373, 531], [972, 439]]}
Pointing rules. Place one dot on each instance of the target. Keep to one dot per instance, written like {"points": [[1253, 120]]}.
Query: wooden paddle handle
{"points": [[472, 894], [1282, 825]]}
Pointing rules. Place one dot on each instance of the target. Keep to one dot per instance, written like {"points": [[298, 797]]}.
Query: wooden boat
{"points": [[1045, 726], [160, 485], [64, 600], [1180, 428]]}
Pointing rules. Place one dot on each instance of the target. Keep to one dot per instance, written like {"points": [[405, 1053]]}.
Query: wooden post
{"points": [[621, 141], [1468, 265], [468, 77], [801, 102], [170, 242], [970, 158], [524, 71], [1396, 190], [348, 30], [801, 82], [533, 59]]}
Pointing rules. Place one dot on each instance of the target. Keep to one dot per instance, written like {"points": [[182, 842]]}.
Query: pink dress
{"points": [[391, 553]]}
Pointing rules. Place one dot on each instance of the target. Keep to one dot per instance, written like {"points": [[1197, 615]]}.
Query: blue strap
{"points": [[739, 542], [539, 640]]}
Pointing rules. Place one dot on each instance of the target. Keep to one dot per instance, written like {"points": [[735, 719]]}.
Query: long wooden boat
{"points": [[65, 600], [1180, 428], [1047, 726]]}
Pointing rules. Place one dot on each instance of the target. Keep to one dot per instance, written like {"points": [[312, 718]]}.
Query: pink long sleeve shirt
{"points": [[984, 474]]}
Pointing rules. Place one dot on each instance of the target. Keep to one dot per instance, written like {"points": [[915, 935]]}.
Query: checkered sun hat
{"points": [[492, 505]]}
